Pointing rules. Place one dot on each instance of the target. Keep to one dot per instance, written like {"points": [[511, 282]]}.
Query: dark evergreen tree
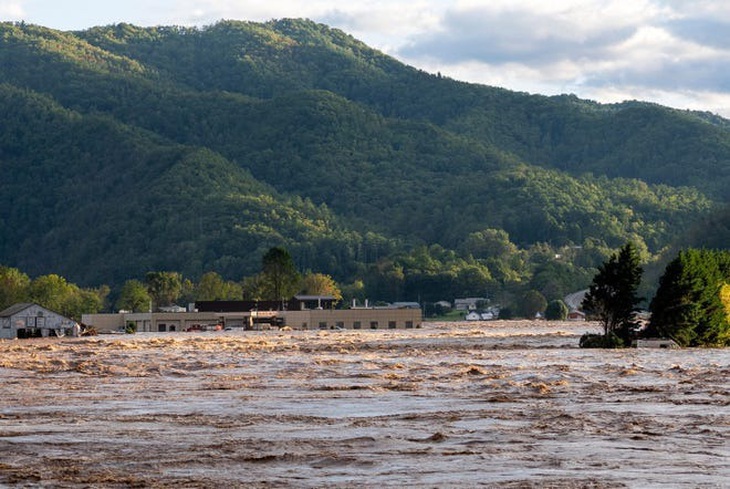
{"points": [[690, 304], [612, 297], [279, 277]]}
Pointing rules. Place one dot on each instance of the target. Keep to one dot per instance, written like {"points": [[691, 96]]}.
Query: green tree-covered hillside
{"points": [[127, 149]]}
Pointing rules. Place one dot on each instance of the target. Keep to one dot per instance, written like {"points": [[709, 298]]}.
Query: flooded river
{"points": [[497, 404]]}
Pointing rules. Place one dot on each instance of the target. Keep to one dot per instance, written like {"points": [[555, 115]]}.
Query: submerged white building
{"points": [[28, 320]]}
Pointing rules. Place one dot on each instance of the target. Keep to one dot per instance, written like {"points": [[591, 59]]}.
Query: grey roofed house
{"points": [[468, 303], [25, 320]]}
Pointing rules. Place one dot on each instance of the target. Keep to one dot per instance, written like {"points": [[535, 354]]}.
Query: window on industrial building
{"points": [[409, 324], [391, 325], [357, 325], [373, 325], [162, 328], [340, 325], [323, 325]]}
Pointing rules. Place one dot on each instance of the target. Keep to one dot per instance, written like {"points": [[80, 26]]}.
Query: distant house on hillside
{"points": [[28, 320], [469, 303], [576, 315]]}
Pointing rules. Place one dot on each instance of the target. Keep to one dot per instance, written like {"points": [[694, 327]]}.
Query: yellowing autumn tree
{"points": [[321, 284]]}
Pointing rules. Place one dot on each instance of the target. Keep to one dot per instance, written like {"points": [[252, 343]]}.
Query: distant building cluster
{"points": [[299, 312]]}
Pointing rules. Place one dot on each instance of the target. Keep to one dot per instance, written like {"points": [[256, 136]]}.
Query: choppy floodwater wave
{"points": [[498, 404]]}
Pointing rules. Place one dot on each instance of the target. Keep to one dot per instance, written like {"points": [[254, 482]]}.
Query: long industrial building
{"points": [[301, 312]]}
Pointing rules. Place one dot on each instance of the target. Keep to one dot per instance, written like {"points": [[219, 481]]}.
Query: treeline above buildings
{"points": [[426, 276], [419, 275], [691, 305], [127, 149], [278, 280]]}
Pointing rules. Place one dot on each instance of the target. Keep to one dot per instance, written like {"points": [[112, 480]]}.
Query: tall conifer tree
{"points": [[690, 305], [612, 296]]}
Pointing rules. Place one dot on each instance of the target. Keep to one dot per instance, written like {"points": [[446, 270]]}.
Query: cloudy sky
{"points": [[673, 52]]}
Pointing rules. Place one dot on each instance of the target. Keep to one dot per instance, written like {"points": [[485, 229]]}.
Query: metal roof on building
{"points": [[15, 309]]}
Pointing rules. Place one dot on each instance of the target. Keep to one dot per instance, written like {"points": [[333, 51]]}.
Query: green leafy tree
{"points": [[212, 287], [14, 286], [354, 290], [556, 310], [385, 280], [320, 284], [279, 277], [489, 243], [51, 291], [134, 297], [611, 297], [506, 313], [252, 288], [55, 293], [473, 280], [85, 301], [164, 287], [187, 292], [531, 303]]}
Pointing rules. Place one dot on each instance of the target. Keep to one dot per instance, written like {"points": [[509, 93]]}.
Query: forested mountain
{"points": [[127, 149]]}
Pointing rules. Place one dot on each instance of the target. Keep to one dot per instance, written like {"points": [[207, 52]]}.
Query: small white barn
{"points": [[27, 320]]}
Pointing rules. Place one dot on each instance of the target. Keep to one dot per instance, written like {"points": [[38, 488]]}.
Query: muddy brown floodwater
{"points": [[498, 404]]}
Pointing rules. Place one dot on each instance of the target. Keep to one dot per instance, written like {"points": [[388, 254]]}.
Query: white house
{"points": [[469, 303], [26, 320]]}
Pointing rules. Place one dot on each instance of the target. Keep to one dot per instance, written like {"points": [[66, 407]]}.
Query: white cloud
{"points": [[11, 10], [670, 52], [382, 24], [716, 102]]}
